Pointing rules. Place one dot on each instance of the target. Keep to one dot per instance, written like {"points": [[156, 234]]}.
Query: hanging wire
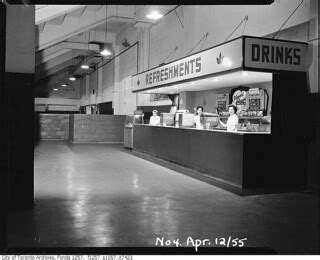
{"points": [[287, 19], [178, 18], [245, 24], [107, 22], [87, 54], [245, 19], [84, 49], [95, 20], [203, 42], [203, 38], [174, 50]]}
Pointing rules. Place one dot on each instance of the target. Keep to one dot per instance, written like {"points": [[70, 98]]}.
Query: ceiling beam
{"points": [[49, 12], [78, 12], [88, 21], [57, 68], [58, 20], [70, 55], [62, 48]]}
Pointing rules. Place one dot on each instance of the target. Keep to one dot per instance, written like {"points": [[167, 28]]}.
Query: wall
{"points": [[97, 128], [102, 81], [71, 92], [54, 126], [124, 99], [60, 104], [107, 82]]}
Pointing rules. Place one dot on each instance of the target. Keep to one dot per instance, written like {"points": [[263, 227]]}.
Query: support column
{"points": [[19, 81], [99, 91], [4, 133], [313, 50], [116, 102], [145, 57]]}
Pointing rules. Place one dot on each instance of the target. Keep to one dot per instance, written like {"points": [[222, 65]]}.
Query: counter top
{"points": [[240, 132]]}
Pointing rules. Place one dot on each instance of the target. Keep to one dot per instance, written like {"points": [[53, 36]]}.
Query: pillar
{"points": [[19, 82], [4, 133]]}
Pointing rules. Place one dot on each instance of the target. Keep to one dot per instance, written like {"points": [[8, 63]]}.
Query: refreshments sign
{"points": [[275, 55], [221, 58]]}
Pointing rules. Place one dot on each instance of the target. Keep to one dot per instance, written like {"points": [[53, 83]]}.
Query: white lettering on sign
{"points": [[275, 55]]}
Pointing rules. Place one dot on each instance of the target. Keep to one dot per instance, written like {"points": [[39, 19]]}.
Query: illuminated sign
{"points": [[191, 67]]}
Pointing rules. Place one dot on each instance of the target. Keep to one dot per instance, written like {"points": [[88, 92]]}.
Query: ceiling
{"points": [[69, 35], [216, 82]]}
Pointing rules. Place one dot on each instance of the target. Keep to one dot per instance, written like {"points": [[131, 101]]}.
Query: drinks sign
{"points": [[275, 55]]}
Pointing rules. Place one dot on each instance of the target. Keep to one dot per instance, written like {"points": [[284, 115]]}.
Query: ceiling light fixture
{"points": [[72, 78], [192, 83], [105, 52], [215, 79], [55, 89], [154, 15], [84, 66], [64, 85]]}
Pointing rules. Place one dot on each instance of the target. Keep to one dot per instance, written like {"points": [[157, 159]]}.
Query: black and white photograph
{"points": [[158, 128]]}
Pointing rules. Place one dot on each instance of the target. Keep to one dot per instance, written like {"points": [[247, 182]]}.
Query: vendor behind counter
{"points": [[147, 110]]}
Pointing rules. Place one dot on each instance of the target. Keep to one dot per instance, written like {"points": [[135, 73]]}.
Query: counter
{"points": [[241, 159]]}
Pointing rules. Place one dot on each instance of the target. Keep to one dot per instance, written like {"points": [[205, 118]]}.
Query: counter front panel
{"points": [[214, 153], [245, 160]]}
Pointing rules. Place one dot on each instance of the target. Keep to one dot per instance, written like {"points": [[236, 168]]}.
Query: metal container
{"points": [[186, 120], [167, 119]]}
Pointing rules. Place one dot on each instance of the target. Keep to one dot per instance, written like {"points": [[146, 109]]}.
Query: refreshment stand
{"points": [[252, 156]]}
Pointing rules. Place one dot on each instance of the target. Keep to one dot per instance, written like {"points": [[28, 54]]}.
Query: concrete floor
{"points": [[98, 195]]}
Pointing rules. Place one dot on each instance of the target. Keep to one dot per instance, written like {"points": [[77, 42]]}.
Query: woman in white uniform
{"points": [[155, 119], [198, 118], [233, 119]]}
